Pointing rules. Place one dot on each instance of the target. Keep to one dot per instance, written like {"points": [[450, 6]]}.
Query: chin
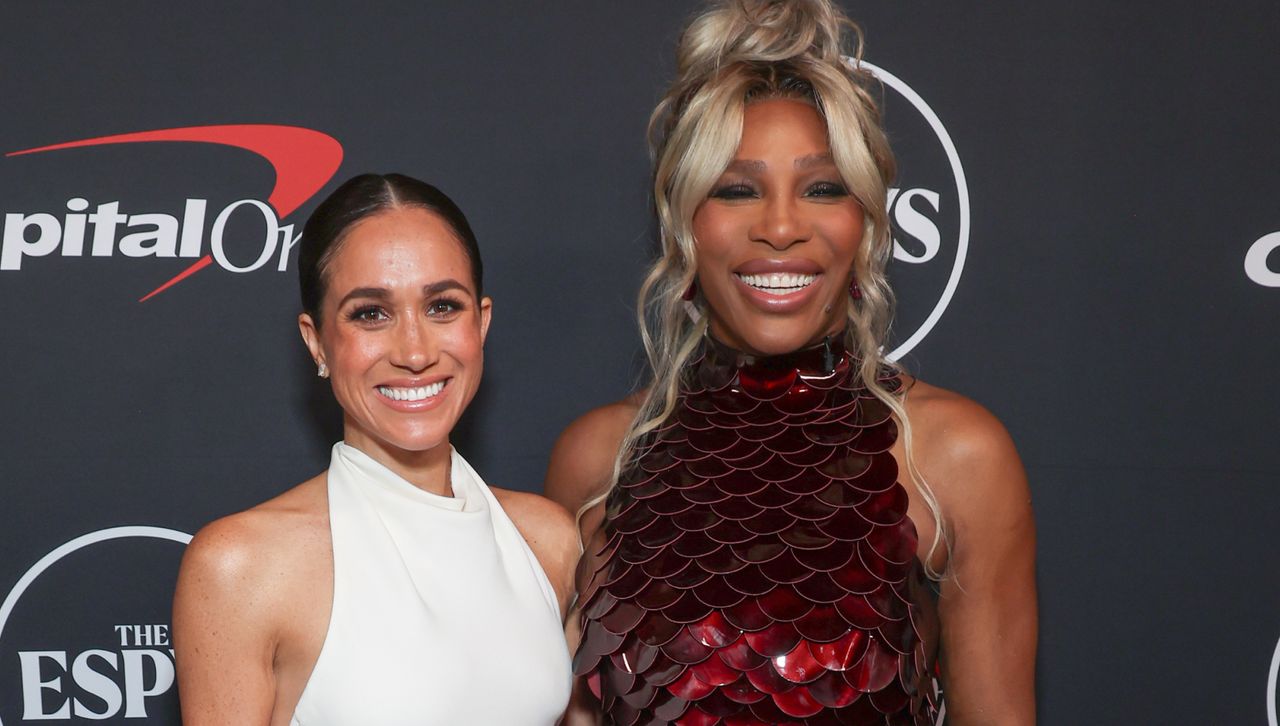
{"points": [[418, 441], [773, 336], [398, 440]]}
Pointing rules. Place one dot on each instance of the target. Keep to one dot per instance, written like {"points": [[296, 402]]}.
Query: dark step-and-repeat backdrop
{"points": [[1088, 219]]}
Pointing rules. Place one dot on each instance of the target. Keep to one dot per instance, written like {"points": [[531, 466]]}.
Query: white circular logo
{"points": [[931, 237], [1272, 720], [90, 651]]}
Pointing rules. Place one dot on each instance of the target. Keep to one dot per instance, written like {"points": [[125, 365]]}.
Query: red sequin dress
{"points": [[757, 565]]}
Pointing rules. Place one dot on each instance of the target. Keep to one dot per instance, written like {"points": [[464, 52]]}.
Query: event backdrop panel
{"points": [[1087, 225]]}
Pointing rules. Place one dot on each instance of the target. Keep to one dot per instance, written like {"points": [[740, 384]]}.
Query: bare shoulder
{"points": [[964, 451], [537, 517], [953, 426], [549, 529], [987, 607], [247, 621], [582, 459], [245, 553]]}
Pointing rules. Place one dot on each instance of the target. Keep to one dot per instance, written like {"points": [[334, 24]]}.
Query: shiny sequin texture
{"points": [[757, 565]]}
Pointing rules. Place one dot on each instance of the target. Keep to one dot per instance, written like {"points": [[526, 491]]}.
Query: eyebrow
{"points": [[436, 288], [380, 293], [813, 160], [743, 166], [803, 163], [376, 293]]}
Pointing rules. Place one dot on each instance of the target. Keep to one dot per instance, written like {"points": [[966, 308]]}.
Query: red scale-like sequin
{"points": [[757, 565]]}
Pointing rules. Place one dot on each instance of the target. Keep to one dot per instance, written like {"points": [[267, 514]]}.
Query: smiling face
{"points": [[402, 332], [777, 235]]}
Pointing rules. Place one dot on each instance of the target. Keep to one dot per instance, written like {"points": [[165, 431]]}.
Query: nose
{"points": [[781, 223], [415, 347]]}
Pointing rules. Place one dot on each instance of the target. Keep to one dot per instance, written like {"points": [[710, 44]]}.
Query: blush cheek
{"points": [[844, 234], [460, 338], [713, 251], [351, 346], [715, 230], [462, 343]]}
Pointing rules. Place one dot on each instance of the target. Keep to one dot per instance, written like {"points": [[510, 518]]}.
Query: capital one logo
{"points": [[1256, 267], [929, 211], [84, 634], [303, 161]]}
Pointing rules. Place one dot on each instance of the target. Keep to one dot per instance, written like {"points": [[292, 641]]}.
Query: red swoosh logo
{"points": [[304, 161]]}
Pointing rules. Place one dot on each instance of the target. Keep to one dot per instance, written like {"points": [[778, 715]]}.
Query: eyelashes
{"points": [[366, 314], [445, 306], [440, 308], [735, 190], [827, 189]]}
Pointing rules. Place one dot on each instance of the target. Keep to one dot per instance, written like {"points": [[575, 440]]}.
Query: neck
{"points": [[428, 469], [822, 355], [774, 342]]}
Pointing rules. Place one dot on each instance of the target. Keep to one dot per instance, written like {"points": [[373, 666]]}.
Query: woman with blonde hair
{"points": [[784, 526]]}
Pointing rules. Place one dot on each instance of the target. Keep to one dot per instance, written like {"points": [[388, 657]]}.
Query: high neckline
{"points": [[383, 477], [719, 366], [820, 359]]}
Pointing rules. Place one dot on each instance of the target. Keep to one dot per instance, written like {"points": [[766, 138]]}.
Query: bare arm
{"points": [[988, 602], [580, 469], [549, 530], [224, 645], [582, 459]]}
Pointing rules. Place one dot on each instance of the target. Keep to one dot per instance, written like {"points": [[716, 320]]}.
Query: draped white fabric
{"points": [[441, 613]]}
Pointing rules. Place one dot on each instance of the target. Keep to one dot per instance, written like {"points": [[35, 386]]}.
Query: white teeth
{"points": [[412, 394], [778, 283]]}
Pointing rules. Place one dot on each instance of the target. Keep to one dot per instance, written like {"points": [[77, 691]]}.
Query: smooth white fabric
{"points": [[441, 613]]}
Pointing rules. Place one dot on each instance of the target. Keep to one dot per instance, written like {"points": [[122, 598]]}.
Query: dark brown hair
{"points": [[361, 197]]}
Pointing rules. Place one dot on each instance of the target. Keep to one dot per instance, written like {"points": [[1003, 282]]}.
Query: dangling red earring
{"points": [[692, 292], [855, 292]]}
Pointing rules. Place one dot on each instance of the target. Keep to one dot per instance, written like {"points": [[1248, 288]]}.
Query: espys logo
{"points": [[303, 160], [89, 623], [930, 212], [1256, 267], [1272, 704]]}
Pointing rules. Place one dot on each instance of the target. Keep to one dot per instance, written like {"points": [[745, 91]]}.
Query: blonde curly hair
{"points": [[734, 53]]}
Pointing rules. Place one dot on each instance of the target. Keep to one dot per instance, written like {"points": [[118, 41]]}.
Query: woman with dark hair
{"points": [[396, 587], [784, 526]]}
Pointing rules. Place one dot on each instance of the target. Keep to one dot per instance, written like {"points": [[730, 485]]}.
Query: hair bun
{"points": [[765, 31]]}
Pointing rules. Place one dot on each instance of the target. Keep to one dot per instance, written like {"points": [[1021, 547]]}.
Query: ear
{"points": [[311, 336], [486, 316]]}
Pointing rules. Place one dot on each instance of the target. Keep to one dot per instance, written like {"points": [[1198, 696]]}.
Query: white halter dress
{"points": [[441, 613]]}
